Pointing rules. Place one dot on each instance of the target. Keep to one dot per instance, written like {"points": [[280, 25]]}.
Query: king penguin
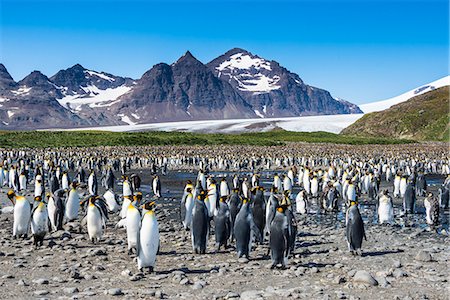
{"points": [[200, 224], [258, 207], [409, 199], [244, 230], [385, 208], [39, 222], [301, 202], [133, 225], [431, 204], [234, 203], [279, 238], [148, 239], [72, 203], [56, 209], [22, 214], [222, 222], [156, 185], [96, 216], [187, 204], [354, 228]]}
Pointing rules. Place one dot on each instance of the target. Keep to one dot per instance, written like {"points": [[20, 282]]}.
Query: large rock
{"points": [[364, 277]]}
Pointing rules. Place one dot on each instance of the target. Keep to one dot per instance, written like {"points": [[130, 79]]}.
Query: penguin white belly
{"points": [[22, 215], [51, 212], [110, 198], [37, 189], [123, 212], [385, 213], [212, 204], [65, 183], [427, 205], [396, 187], [39, 222], [300, 204], [91, 185], [23, 182], [224, 191], [148, 241], [126, 189], [94, 223], [402, 187], [287, 184], [72, 206], [133, 225], [351, 193], [189, 205], [314, 188]]}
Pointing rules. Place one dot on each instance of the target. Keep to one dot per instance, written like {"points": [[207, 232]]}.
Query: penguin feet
{"points": [[359, 252]]}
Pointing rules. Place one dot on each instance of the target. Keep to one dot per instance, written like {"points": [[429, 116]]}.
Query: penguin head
{"points": [[235, 190], [274, 189], [11, 194], [38, 198], [245, 200], [202, 195], [189, 190], [352, 203], [47, 195], [281, 209], [137, 196], [189, 182], [149, 206], [261, 188], [223, 198]]}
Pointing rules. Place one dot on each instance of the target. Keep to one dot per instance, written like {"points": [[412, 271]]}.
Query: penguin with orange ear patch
{"points": [[279, 238]]}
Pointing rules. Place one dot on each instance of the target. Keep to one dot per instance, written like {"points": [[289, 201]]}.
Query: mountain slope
{"points": [[385, 104], [185, 90], [31, 103], [272, 90], [424, 117]]}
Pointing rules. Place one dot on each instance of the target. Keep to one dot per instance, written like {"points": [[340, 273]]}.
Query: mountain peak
{"points": [[77, 67], [236, 51], [34, 78], [5, 78], [189, 60]]}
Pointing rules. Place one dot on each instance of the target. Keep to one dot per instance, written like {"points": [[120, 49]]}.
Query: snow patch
{"points": [[259, 114], [94, 97], [126, 119], [101, 75], [4, 99], [244, 61], [261, 84], [22, 90], [328, 123], [135, 116], [385, 104], [10, 113]]}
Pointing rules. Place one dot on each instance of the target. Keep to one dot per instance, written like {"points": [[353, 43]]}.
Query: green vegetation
{"points": [[424, 117], [42, 139]]}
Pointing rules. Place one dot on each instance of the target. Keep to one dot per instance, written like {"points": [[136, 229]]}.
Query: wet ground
{"points": [[407, 260]]}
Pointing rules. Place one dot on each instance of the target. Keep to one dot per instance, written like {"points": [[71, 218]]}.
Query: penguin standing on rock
{"points": [[96, 216], [279, 238], [156, 186], [39, 221], [244, 230], [385, 208], [22, 214], [148, 244], [72, 203], [222, 222], [234, 203], [200, 224], [355, 228], [187, 204], [259, 210]]}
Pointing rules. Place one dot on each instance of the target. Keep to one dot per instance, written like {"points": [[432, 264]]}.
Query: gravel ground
{"points": [[402, 261]]}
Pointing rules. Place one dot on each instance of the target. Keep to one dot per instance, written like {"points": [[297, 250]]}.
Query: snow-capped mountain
{"points": [[31, 103], [185, 90], [272, 90], [82, 89], [385, 104]]}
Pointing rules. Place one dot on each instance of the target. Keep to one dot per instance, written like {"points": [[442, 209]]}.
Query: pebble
{"points": [[251, 295], [423, 256], [41, 292], [22, 282], [41, 281], [243, 260], [232, 295], [364, 277], [113, 292], [399, 273], [71, 290]]}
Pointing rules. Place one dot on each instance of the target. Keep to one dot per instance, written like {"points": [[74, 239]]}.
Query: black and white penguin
{"points": [[385, 208], [271, 208], [409, 199], [234, 203], [135, 180], [244, 230], [92, 183], [22, 214], [421, 185], [354, 228], [39, 221], [200, 224], [56, 209], [258, 207], [222, 223], [148, 244], [110, 179], [279, 238], [96, 216], [156, 185]]}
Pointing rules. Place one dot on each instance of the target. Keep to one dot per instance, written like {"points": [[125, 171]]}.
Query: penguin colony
{"points": [[239, 211]]}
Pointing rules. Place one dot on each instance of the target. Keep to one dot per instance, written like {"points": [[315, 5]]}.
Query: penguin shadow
{"points": [[317, 265], [381, 253], [310, 243]]}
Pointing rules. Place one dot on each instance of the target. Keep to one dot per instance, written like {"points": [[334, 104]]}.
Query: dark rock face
{"points": [[186, 90], [6, 81], [272, 90]]}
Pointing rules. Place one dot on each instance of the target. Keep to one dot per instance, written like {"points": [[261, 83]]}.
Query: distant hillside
{"points": [[424, 117]]}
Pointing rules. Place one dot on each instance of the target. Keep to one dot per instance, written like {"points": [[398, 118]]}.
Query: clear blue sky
{"points": [[358, 50]]}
